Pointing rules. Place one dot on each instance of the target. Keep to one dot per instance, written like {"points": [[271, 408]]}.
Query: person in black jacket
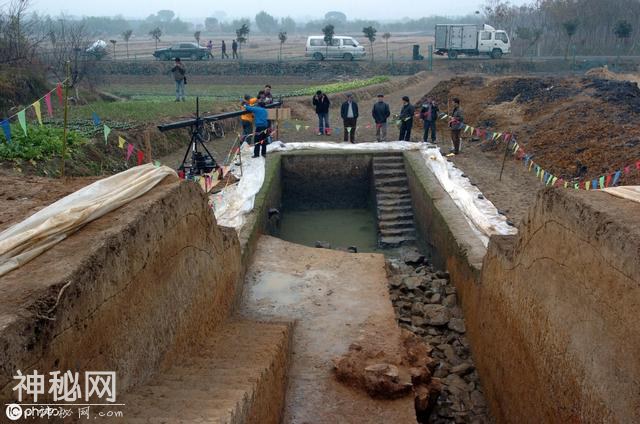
{"points": [[429, 115], [406, 119], [322, 103], [380, 115], [349, 114]]}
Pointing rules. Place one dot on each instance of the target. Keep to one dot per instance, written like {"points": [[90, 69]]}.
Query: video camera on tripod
{"points": [[202, 161]]}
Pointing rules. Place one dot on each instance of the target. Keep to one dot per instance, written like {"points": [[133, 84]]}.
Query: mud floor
{"points": [[337, 299]]}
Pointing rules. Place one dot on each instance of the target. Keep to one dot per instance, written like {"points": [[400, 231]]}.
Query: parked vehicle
{"points": [[346, 48], [455, 39], [182, 50]]}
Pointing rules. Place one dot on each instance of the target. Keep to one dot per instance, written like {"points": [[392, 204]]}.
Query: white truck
{"points": [[455, 39]]}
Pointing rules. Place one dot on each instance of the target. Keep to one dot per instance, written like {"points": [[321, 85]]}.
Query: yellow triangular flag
{"points": [[121, 142], [298, 127], [530, 166], [36, 107]]}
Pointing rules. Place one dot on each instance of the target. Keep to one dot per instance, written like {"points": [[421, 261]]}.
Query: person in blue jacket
{"points": [[262, 127]]}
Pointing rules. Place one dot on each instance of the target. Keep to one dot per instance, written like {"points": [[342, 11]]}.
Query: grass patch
{"points": [[142, 112], [40, 143]]}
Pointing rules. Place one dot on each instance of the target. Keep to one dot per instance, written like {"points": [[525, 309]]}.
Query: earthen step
{"points": [[397, 232], [395, 241], [394, 208], [390, 172], [401, 223], [237, 371], [395, 216], [388, 159], [388, 165], [394, 201], [392, 190], [391, 181]]}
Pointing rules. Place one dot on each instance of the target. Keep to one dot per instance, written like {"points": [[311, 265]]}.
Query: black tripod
{"points": [[201, 163]]}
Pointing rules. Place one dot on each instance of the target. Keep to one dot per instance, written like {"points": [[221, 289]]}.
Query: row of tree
{"points": [[552, 27]]}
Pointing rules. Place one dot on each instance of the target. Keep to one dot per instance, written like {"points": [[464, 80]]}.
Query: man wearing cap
{"points": [[247, 118], [406, 119], [380, 115], [349, 114]]}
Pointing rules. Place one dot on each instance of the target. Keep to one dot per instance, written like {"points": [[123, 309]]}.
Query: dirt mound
{"points": [[577, 128], [603, 73]]}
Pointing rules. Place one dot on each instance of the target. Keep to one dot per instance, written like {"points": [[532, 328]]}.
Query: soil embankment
{"points": [[127, 293], [554, 319]]}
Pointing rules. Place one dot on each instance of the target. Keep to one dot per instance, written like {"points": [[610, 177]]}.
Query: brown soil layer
{"points": [[23, 196], [577, 128]]}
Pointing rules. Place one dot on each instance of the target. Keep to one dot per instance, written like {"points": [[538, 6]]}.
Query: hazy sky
{"points": [[367, 9]]}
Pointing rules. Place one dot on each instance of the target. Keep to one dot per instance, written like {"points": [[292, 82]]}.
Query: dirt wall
{"points": [[127, 293], [561, 301], [551, 313]]}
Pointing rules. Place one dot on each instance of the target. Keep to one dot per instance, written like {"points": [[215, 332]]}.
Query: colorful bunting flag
{"points": [[616, 177], [36, 107], [298, 127], [601, 181], [59, 93], [22, 118], [158, 164], [594, 184], [587, 184], [47, 101], [6, 128], [140, 156], [96, 119], [121, 142], [129, 151], [627, 169], [607, 183], [107, 131]]}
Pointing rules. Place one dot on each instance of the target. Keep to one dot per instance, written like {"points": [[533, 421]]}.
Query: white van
{"points": [[346, 48]]}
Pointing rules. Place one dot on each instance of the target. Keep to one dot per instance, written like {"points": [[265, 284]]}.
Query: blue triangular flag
{"points": [[594, 184], [616, 177], [7, 130], [96, 119]]}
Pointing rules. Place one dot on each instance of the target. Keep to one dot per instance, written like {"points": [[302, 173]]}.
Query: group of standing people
{"points": [[381, 113], [223, 49]]}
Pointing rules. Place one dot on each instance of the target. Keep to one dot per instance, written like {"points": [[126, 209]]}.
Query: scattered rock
{"points": [[436, 314], [450, 301], [456, 324], [462, 369], [352, 249], [436, 298], [412, 257], [323, 245]]}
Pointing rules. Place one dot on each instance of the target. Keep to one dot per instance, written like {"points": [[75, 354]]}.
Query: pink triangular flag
{"points": [[47, 101], [129, 151], [59, 93]]}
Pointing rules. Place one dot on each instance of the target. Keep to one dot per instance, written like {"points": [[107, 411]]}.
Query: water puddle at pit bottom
{"points": [[276, 287], [339, 227]]}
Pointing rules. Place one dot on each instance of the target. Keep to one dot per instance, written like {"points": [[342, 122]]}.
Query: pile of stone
{"points": [[426, 304]]}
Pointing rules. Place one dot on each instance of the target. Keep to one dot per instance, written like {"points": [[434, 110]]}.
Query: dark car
{"points": [[183, 51]]}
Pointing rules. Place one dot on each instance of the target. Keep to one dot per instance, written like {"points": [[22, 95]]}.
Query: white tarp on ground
{"points": [[36, 234], [233, 203], [626, 192]]}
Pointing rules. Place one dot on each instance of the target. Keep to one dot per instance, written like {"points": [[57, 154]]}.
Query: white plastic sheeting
{"points": [[626, 192], [36, 234], [233, 203]]}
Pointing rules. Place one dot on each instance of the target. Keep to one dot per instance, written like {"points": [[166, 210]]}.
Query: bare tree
{"points": [[156, 33], [114, 48], [386, 37], [282, 36], [370, 33], [20, 36], [126, 36]]}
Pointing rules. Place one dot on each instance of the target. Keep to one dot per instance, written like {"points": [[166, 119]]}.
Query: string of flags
{"points": [[36, 106], [546, 177]]}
